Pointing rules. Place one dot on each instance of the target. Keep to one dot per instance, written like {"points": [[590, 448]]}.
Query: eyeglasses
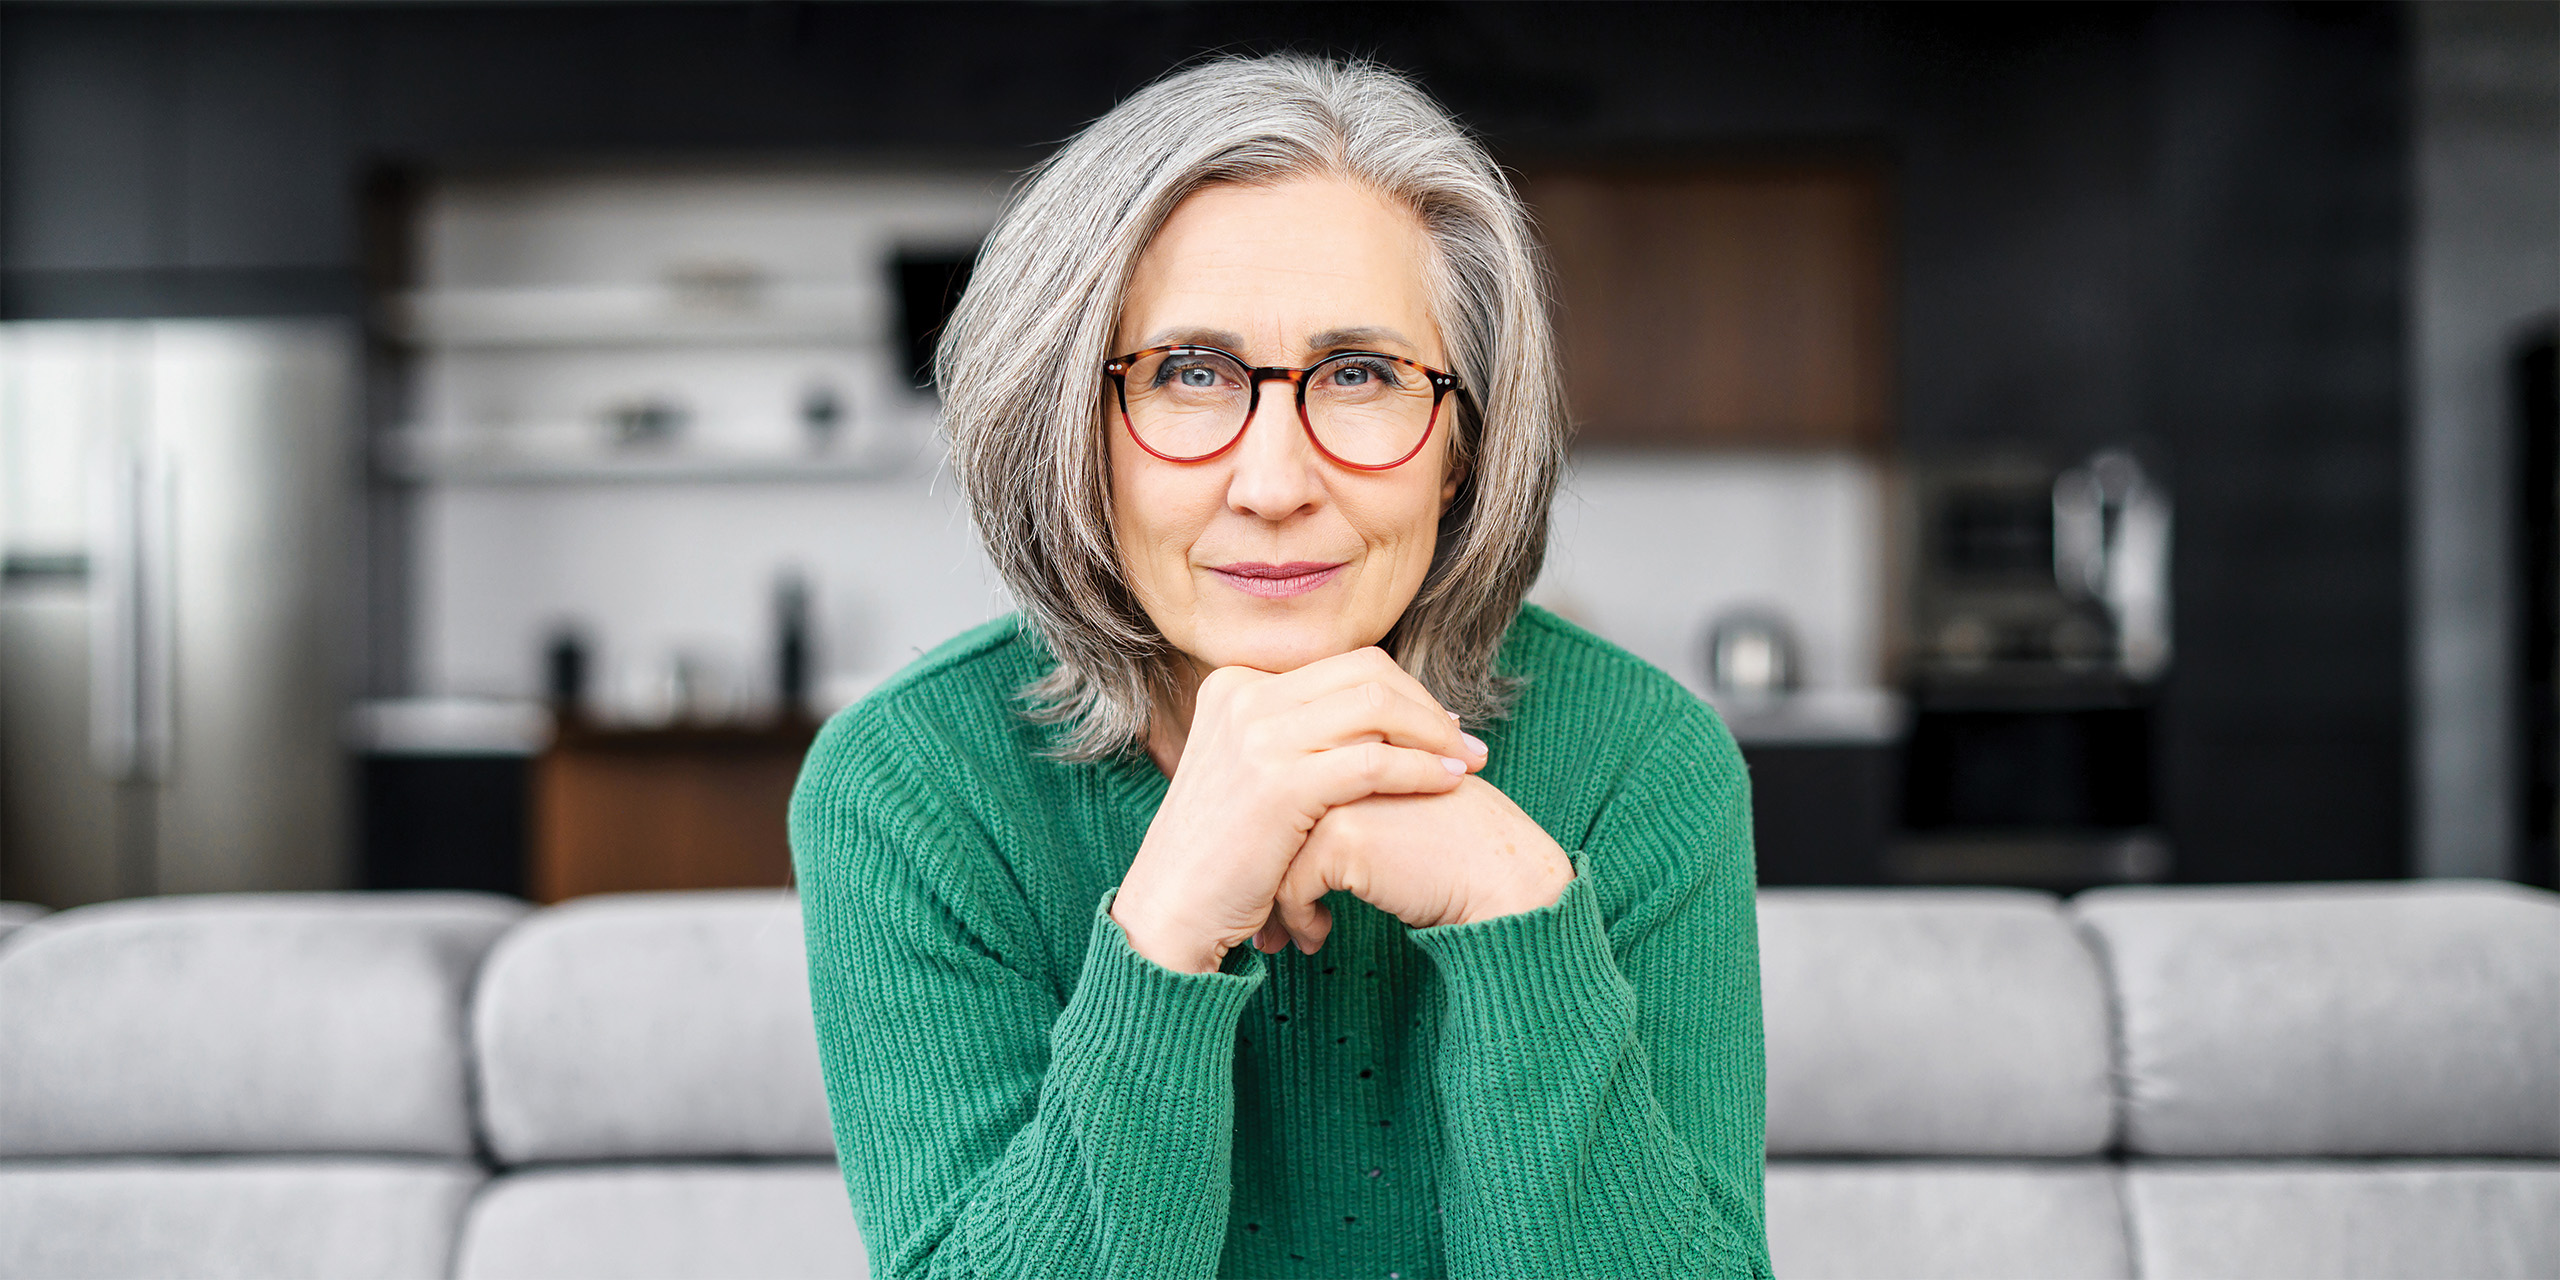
{"points": [[1363, 409]]}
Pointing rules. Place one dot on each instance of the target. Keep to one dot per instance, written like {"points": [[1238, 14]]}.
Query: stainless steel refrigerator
{"points": [[175, 618]]}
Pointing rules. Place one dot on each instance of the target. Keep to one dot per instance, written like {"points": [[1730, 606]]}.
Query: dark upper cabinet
{"points": [[139, 144], [88, 125]]}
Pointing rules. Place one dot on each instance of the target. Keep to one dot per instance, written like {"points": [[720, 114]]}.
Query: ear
{"points": [[1449, 483]]}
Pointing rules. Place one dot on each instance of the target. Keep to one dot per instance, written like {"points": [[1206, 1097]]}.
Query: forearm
{"points": [[1120, 1166], [1561, 1162]]}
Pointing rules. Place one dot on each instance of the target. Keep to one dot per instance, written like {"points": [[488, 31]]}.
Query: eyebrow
{"points": [[1218, 338], [1357, 336]]}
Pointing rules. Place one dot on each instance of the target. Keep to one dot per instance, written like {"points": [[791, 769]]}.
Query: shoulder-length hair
{"points": [[1020, 368]]}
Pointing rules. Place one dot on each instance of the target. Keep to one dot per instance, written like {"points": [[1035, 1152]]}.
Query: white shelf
{"points": [[492, 458], [666, 314]]}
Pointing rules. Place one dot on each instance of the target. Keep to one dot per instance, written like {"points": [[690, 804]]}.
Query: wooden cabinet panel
{"points": [[1747, 308], [617, 812]]}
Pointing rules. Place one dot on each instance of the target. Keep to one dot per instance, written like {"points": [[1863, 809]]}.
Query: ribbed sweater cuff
{"points": [[1169, 1036], [1533, 972]]}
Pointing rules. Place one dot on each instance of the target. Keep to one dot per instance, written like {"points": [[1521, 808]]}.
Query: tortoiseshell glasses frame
{"points": [[1439, 382]]}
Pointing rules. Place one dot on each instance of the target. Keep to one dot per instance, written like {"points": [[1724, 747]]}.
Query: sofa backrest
{"points": [[17, 915], [1957, 1022], [244, 1024], [2412, 1019], [639, 1047], [652, 1027]]}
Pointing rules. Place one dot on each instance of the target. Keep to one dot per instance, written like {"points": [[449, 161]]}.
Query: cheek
{"points": [[1155, 516], [1402, 518], [1127, 502]]}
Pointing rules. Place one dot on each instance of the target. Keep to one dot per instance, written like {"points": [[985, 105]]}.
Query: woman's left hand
{"points": [[1458, 856]]}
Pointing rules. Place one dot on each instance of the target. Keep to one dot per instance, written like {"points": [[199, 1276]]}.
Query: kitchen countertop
{"points": [[1815, 717]]}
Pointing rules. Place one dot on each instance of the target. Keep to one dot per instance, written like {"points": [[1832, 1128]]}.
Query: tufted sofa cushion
{"points": [[255, 1218], [2393, 1220], [652, 1027], [775, 1221], [237, 1024], [1931, 1022], [1926, 1220], [2336, 1020]]}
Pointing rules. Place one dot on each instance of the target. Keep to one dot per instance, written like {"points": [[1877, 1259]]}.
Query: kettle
{"points": [[1751, 653]]}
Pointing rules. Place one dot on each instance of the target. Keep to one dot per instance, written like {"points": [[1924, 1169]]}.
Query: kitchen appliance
{"points": [[1751, 654], [2534, 397], [2040, 632], [175, 518]]}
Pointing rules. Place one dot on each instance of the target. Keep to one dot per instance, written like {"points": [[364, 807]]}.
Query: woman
{"points": [[1256, 406]]}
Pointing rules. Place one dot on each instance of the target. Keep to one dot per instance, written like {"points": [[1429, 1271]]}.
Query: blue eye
{"points": [[1363, 375], [1190, 374]]}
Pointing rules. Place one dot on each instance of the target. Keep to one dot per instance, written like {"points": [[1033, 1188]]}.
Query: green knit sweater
{"points": [[1570, 1091]]}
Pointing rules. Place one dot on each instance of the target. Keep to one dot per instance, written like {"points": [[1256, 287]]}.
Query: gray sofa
{"points": [[2319, 1081]]}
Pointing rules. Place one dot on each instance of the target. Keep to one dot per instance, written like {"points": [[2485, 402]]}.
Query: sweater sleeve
{"points": [[989, 1124], [1599, 1066]]}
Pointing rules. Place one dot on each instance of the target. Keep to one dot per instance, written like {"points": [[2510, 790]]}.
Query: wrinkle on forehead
{"points": [[1242, 291], [1353, 338]]}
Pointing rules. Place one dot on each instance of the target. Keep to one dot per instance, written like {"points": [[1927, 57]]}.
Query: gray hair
{"points": [[1020, 367]]}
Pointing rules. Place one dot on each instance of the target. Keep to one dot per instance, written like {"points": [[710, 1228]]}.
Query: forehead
{"points": [[1282, 263]]}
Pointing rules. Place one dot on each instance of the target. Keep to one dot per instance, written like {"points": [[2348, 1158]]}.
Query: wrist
{"points": [[1166, 948], [1540, 887]]}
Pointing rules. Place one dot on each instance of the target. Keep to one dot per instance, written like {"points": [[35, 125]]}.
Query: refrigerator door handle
{"points": [[131, 614]]}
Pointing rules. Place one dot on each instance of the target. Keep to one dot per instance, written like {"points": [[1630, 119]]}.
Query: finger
{"points": [[1372, 711], [1344, 774], [1300, 906], [1223, 686], [1309, 924], [1273, 934], [1346, 670]]}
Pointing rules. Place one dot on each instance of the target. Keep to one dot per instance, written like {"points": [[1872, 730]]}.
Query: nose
{"points": [[1277, 472]]}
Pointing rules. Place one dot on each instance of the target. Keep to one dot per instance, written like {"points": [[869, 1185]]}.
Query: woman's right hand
{"points": [[1266, 757]]}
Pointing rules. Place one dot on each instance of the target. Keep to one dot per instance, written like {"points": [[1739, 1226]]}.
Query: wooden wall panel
{"points": [[1743, 308]]}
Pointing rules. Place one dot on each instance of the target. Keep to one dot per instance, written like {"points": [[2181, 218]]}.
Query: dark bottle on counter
{"points": [[792, 656], [564, 673], [821, 414]]}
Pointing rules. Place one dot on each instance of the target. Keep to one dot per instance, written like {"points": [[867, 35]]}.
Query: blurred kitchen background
{"points": [[472, 445]]}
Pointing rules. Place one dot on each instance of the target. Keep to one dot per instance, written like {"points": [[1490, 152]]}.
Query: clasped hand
{"points": [[1343, 774]]}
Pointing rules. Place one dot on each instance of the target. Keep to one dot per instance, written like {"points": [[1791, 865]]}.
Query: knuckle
{"points": [[1299, 888], [1344, 824]]}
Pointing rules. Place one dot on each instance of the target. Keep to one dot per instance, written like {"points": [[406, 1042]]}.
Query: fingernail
{"points": [[1454, 764], [1453, 715], [1474, 743]]}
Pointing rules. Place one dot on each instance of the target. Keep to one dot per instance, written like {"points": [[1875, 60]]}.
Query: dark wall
{"points": [[2174, 227], [2276, 371]]}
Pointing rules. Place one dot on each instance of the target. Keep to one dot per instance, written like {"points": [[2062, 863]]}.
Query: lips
{"points": [[1277, 581]]}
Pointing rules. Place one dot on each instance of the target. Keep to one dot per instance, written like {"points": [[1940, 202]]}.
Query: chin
{"points": [[1276, 649]]}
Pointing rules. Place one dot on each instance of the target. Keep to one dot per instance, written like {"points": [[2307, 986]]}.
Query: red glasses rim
{"points": [[1442, 383]]}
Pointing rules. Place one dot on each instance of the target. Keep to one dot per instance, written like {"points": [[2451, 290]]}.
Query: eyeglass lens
{"points": [[1365, 410]]}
